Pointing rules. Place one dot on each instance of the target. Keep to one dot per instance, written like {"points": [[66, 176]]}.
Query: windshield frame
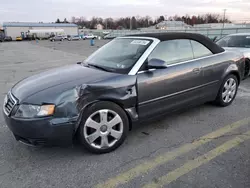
{"points": [[134, 68]]}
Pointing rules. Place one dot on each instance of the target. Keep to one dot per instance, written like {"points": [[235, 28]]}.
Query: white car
{"points": [[89, 36], [239, 42], [65, 37]]}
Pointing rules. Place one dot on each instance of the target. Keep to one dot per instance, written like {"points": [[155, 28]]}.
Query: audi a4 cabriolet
{"points": [[129, 79]]}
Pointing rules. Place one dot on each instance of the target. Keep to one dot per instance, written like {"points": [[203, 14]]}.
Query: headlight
{"points": [[30, 111]]}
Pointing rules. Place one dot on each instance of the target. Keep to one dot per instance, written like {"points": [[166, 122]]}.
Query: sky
{"points": [[50, 10]]}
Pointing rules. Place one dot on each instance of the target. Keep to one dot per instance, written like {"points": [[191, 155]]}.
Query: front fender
{"points": [[122, 91]]}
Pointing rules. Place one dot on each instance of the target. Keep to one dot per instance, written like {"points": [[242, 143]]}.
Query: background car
{"points": [[65, 37], [239, 42], [56, 38], [19, 38], [89, 36], [74, 37], [130, 79], [5, 38]]}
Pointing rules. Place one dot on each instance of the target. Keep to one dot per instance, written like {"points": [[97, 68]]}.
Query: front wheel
{"points": [[104, 127], [228, 91]]}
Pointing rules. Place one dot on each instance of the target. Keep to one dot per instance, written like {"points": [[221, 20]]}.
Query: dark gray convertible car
{"points": [[129, 79]]}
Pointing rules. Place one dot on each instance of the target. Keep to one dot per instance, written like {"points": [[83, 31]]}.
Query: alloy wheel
{"points": [[229, 90], [103, 129]]}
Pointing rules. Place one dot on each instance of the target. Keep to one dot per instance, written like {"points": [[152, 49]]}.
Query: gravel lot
{"points": [[22, 166]]}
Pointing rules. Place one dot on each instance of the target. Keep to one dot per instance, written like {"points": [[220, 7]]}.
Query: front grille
{"points": [[9, 103]]}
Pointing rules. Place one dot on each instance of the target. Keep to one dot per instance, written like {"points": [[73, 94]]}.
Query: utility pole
{"points": [[224, 17]]}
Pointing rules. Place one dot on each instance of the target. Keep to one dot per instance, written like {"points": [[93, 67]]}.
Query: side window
{"points": [[200, 50], [173, 51]]}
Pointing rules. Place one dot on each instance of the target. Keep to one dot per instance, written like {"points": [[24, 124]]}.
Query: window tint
{"points": [[173, 51], [199, 49]]}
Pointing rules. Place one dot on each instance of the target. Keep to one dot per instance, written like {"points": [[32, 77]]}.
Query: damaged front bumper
{"points": [[42, 131]]}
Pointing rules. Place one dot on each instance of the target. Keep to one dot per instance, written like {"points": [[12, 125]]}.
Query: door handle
{"points": [[196, 70]]}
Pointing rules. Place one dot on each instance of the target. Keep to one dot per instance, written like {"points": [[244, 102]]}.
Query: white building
{"points": [[99, 26], [15, 29]]}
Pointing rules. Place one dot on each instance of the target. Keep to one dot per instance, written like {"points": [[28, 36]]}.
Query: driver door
{"points": [[171, 88]]}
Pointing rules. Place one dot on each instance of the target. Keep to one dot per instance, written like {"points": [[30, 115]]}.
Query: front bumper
{"points": [[41, 131]]}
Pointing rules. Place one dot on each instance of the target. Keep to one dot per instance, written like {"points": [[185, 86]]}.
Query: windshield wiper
{"points": [[99, 67]]}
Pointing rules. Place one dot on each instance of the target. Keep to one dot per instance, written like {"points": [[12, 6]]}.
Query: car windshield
{"points": [[119, 55], [242, 41]]}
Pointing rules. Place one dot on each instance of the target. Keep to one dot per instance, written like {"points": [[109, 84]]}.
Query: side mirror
{"points": [[156, 64]]}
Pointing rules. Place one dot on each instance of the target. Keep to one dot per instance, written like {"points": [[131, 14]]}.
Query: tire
{"points": [[247, 69], [232, 83], [92, 127]]}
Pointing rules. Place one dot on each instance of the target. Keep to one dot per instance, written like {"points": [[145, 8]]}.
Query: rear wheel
{"points": [[228, 91], [104, 127]]}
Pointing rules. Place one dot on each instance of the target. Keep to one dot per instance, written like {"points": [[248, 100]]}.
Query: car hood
{"points": [[245, 51], [58, 76]]}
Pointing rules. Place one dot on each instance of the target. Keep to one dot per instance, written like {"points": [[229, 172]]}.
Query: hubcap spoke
{"points": [[91, 138], [103, 116], [116, 134], [114, 121], [104, 142], [233, 86], [91, 123], [226, 86], [231, 81], [227, 98], [224, 94], [232, 94]]}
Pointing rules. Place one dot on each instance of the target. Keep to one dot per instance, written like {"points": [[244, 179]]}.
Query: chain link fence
{"points": [[209, 32]]}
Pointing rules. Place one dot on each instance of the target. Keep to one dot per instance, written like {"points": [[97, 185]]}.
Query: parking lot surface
{"points": [[205, 146]]}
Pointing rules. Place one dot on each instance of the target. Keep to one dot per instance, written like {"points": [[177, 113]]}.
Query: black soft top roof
{"points": [[178, 35]]}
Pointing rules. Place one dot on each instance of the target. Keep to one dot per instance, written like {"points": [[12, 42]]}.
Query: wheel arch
{"points": [[129, 115], [127, 112], [235, 73], [232, 69]]}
